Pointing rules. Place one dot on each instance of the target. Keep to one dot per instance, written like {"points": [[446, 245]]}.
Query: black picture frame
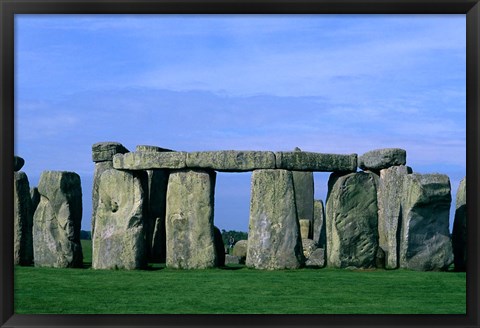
{"points": [[471, 8]]}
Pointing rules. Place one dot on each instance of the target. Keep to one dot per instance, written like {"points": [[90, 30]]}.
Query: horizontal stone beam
{"points": [[236, 161], [231, 160], [315, 162], [150, 160]]}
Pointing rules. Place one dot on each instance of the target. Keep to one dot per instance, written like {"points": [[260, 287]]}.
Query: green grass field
{"points": [[236, 290]]}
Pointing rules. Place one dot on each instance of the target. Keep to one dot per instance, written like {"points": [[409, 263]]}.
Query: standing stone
{"points": [[390, 191], [35, 197], [189, 220], [305, 228], [308, 247], [351, 220], [425, 238], [240, 249], [219, 247], [23, 220], [274, 240], [459, 233], [58, 220], [119, 239], [155, 217], [102, 155], [319, 233], [303, 187]]}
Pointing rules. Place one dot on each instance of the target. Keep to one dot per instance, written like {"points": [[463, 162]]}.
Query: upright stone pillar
{"points": [[389, 194], [319, 232], [189, 220], [274, 240], [304, 191], [58, 220], [23, 220], [119, 240], [425, 238], [351, 220], [459, 233], [155, 217], [102, 156]]}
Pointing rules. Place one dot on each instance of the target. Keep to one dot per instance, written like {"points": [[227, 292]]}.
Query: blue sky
{"points": [[324, 83]]}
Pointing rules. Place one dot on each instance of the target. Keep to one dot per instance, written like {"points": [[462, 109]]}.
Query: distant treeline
{"points": [[233, 235], [85, 235]]}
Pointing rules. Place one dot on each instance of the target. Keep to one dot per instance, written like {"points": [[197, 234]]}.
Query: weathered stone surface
{"points": [[274, 240], [119, 240], [425, 239], [146, 149], [150, 160], [232, 259], [305, 228], [308, 247], [382, 158], [459, 233], [308, 161], [219, 247], [57, 221], [155, 222], [104, 151], [304, 189], [389, 194], [35, 197], [240, 249], [319, 233], [231, 160], [100, 167], [22, 221], [316, 258], [189, 220], [18, 163], [351, 220], [380, 258]]}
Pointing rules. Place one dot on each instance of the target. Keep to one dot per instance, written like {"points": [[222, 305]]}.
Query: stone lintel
{"points": [[104, 151], [231, 160], [150, 160], [316, 162]]}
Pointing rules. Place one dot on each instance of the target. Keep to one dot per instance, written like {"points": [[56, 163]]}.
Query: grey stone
{"points": [[305, 228], [146, 149], [240, 250], [104, 151], [304, 189], [351, 220], [319, 233], [425, 238], [382, 158], [459, 233], [57, 221], [219, 247], [231, 160], [316, 258], [308, 247], [119, 240], [232, 259], [274, 240], [22, 221], [155, 217], [35, 197], [150, 160], [100, 167], [189, 220], [315, 162], [18, 163], [389, 194], [380, 259]]}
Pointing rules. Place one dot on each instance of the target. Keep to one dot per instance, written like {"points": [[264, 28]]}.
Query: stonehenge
{"points": [[156, 205]]}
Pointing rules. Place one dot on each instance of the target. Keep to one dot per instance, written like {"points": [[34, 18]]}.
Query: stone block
{"points": [[150, 160], [274, 240], [104, 151], [379, 159], [231, 160], [315, 162]]}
